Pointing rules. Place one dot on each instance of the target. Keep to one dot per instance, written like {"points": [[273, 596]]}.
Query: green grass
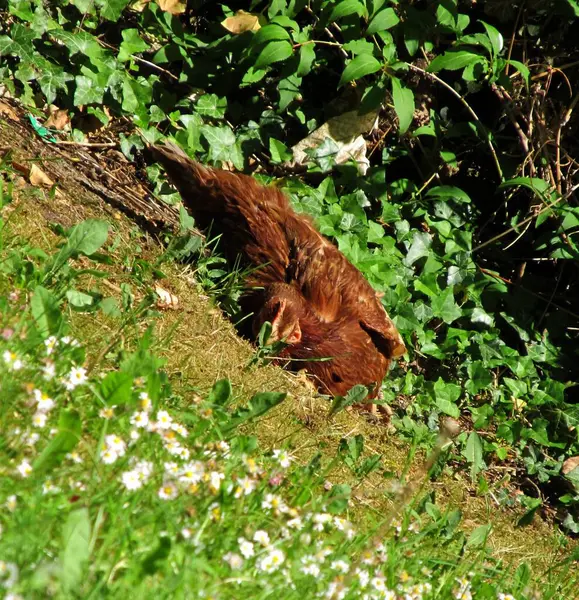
{"points": [[72, 528]]}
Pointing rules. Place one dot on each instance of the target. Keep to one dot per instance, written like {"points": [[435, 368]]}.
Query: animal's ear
{"points": [[389, 342], [283, 327]]}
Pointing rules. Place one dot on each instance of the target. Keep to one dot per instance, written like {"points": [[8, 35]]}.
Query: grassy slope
{"points": [[200, 346]]}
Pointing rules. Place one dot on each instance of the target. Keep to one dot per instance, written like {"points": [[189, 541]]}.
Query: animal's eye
{"points": [[336, 378]]}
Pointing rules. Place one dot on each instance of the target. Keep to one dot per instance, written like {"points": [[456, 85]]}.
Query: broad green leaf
{"points": [[220, 393], [345, 8], [132, 44], [355, 396], [44, 307], [403, 104], [261, 403], [445, 307], [453, 60], [480, 377], [87, 91], [68, 436], [537, 185], [270, 33], [473, 453], [339, 498], [479, 536], [111, 9], [80, 42], [495, 37], [279, 151], [419, 248], [76, 548], [222, 145], [448, 191], [87, 237], [79, 299], [359, 66], [307, 57], [52, 79], [116, 388], [211, 105], [446, 395], [273, 52], [522, 69], [385, 19]]}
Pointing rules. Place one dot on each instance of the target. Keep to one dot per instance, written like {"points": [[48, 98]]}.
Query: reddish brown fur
{"points": [[299, 278]]}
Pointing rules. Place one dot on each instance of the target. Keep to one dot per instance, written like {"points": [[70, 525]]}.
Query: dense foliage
{"points": [[466, 218]]}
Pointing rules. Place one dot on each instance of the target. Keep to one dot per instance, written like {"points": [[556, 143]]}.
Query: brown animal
{"points": [[315, 299]]}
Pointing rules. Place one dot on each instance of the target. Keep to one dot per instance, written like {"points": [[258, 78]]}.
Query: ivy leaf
{"points": [[445, 396], [52, 79], [111, 9], [87, 91], [80, 42], [222, 145], [385, 19], [279, 151], [273, 52], [132, 44], [419, 248], [445, 307], [211, 105], [359, 66], [479, 377], [403, 104], [453, 60]]}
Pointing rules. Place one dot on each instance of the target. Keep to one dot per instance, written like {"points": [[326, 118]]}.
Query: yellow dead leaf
{"points": [[58, 119], [570, 464], [38, 177], [7, 111], [175, 7], [241, 22], [166, 299]]}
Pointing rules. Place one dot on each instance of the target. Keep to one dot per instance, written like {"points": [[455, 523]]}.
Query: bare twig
{"points": [[468, 108], [87, 144]]}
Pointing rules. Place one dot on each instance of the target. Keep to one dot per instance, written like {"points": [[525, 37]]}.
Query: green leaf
{"points": [[495, 37], [453, 60], [87, 91], [79, 299], [52, 79], [68, 436], [270, 33], [279, 151], [345, 8], [419, 248], [474, 454], [446, 395], [116, 388], [359, 66], [307, 57], [132, 44], [480, 377], [44, 307], [261, 403], [538, 186], [448, 192], [222, 145], [111, 9], [445, 307], [211, 105], [522, 69], [273, 52], [76, 548], [220, 393], [403, 104], [339, 498], [354, 396], [479, 536], [87, 237], [385, 19]]}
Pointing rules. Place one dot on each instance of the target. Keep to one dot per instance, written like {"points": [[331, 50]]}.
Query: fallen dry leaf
{"points": [[346, 130], [175, 7], [570, 464], [58, 119], [38, 177], [7, 111], [166, 299], [241, 22]]}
